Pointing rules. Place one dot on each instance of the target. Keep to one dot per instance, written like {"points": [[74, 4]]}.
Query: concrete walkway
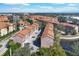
{"points": [[3, 49], [70, 37]]}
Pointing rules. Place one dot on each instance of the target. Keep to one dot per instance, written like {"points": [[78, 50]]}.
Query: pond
{"points": [[66, 44]]}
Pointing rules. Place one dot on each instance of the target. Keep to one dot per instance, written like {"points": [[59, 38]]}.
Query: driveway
{"points": [[71, 37], [31, 40]]}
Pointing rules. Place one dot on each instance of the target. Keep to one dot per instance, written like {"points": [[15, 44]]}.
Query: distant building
{"points": [[10, 17], [54, 20], [47, 38], [69, 27], [16, 18]]}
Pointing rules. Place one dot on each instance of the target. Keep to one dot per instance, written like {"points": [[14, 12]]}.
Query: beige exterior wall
{"points": [[76, 28], [21, 27], [46, 42], [14, 27], [11, 28], [3, 31]]}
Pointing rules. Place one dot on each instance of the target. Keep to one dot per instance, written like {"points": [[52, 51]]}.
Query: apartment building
{"points": [[22, 36], [5, 26], [47, 38], [69, 27]]}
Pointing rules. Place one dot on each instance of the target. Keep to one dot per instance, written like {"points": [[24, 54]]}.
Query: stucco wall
{"points": [[11, 28], [46, 42], [3, 31], [76, 28]]}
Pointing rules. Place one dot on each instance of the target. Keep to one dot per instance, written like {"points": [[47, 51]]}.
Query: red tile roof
{"points": [[3, 18], [44, 18], [48, 31], [68, 25], [26, 31]]}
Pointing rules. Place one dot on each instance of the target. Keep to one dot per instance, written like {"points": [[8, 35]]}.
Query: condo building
{"points": [[23, 36], [47, 38], [5, 26]]}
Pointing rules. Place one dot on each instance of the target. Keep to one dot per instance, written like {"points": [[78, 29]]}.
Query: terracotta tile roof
{"points": [[68, 25], [53, 20], [44, 18], [48, 31], [3, 18], [50, 20], [26, 31], [23, 33], [4, 22], [4, 25]]}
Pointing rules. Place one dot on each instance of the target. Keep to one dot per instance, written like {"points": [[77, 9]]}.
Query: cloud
{"points": [[26, 4], [13, 10], [41, 8], [13, 1], [39, 1], [67, 9], [58, 9], [45, 7], [71, 4]]}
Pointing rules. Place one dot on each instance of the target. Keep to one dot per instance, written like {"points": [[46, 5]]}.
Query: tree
{"points": [[62, 19], [30, 21], [74, 32], [59, 27], [74, 21], [58, 50], [11, 43], [25, 51], [12, 46]]}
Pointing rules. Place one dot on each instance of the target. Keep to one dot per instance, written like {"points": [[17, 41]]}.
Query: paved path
{"points": [[3, 49], [73, 37], [35, 48], [4, 42]]}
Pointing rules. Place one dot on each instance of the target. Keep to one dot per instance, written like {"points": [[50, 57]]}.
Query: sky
{"points": [[40, 7]]}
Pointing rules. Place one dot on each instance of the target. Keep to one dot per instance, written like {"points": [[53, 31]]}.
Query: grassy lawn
{"points": [[3, 37]]}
